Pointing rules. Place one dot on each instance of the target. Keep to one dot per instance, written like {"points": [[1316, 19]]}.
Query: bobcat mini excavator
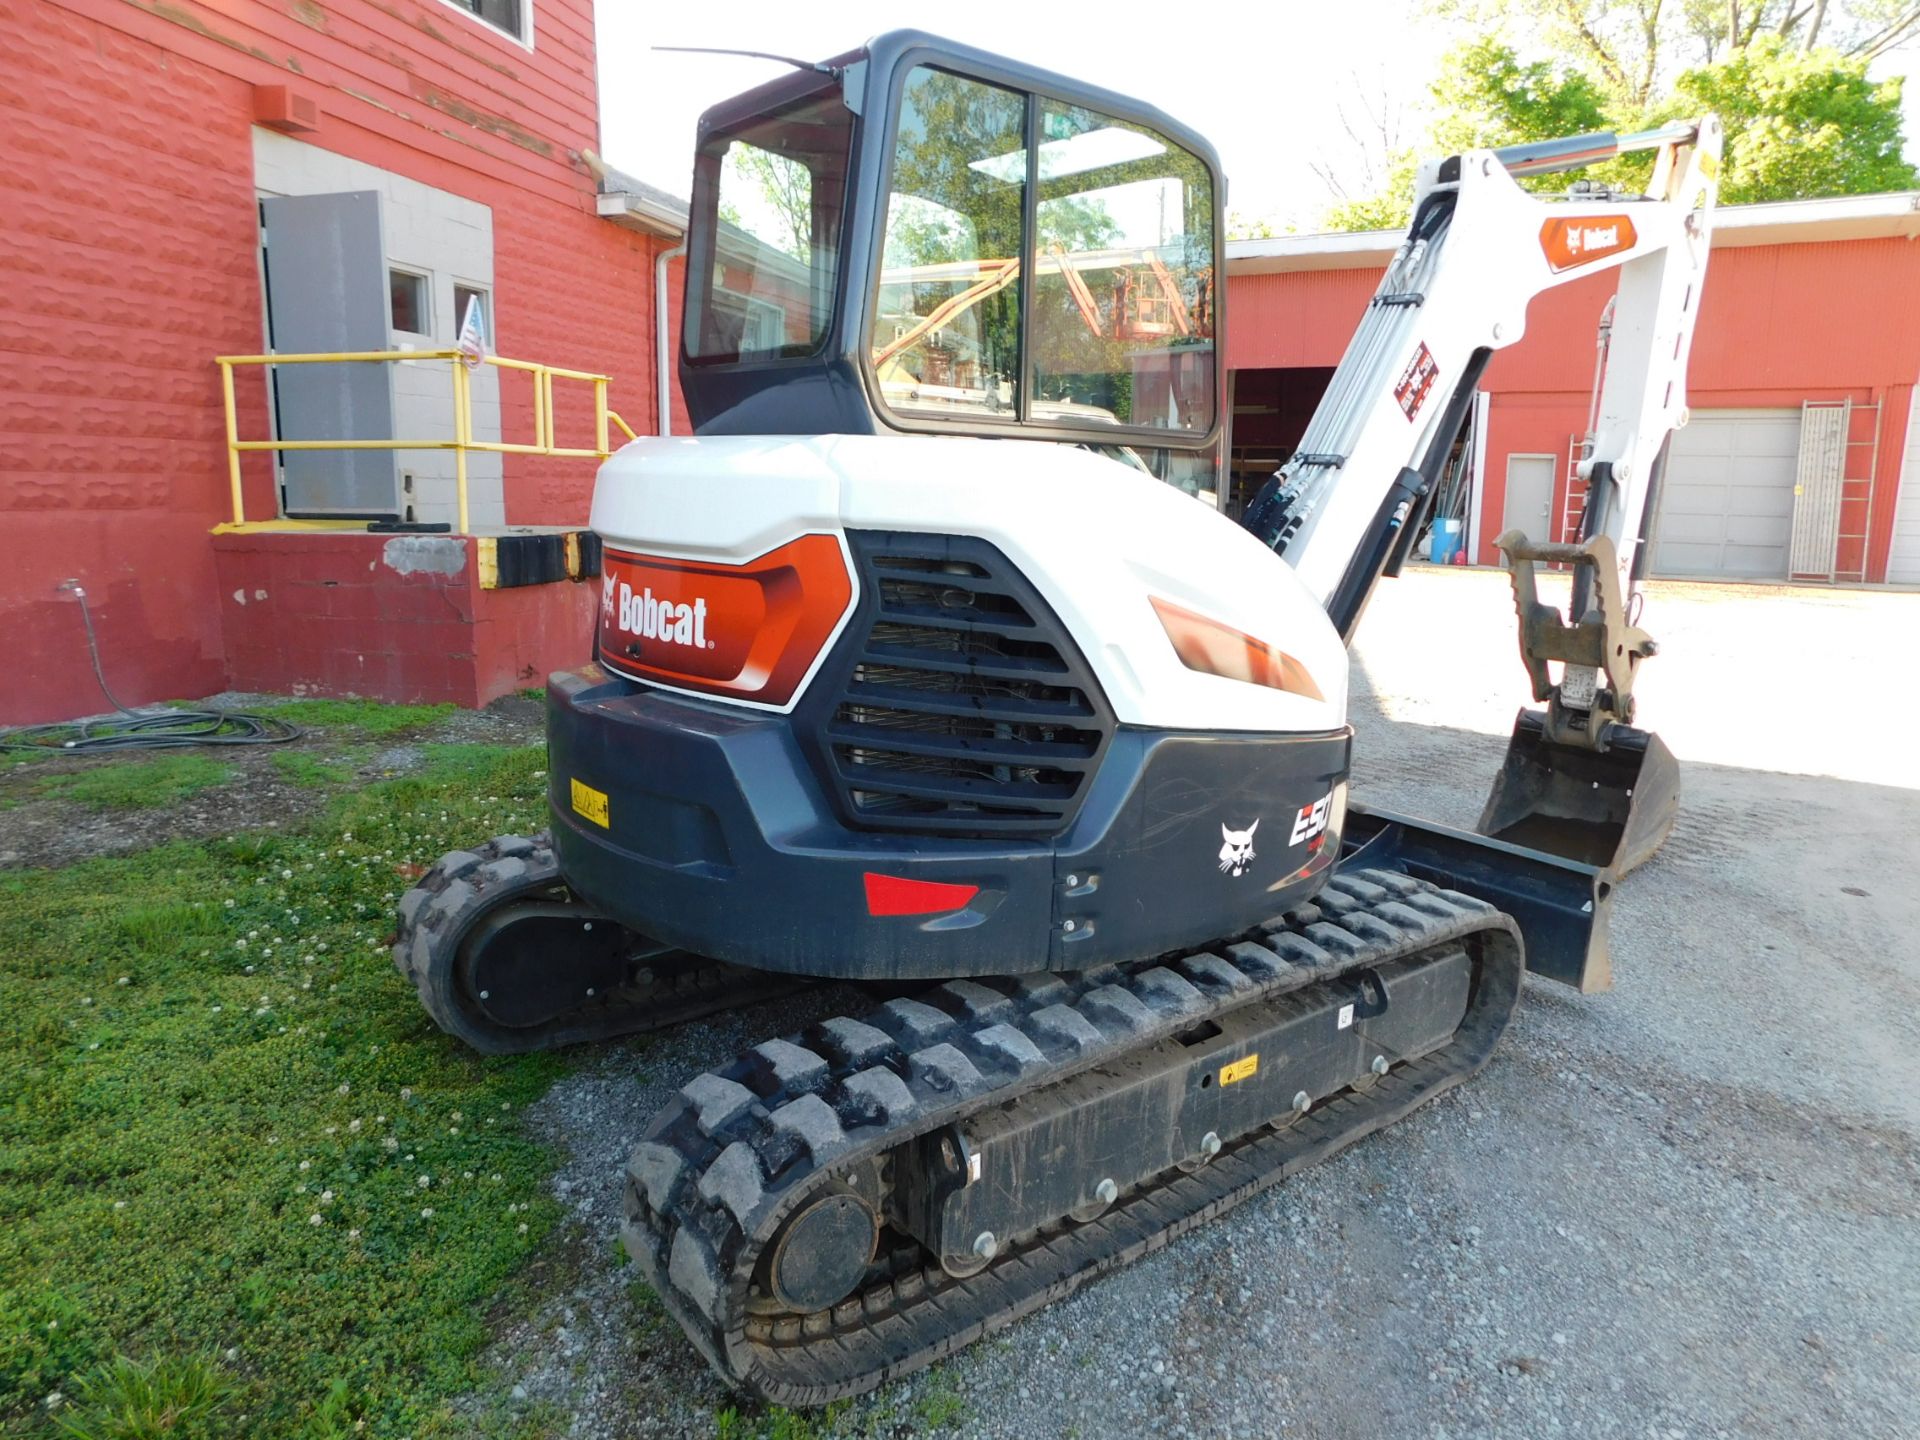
{"points": [[913, 669]]}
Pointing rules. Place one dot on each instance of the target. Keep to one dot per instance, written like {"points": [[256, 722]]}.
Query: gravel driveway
{"points": [[1688, 1208]]}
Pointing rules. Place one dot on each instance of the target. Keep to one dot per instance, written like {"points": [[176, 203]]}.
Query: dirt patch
{"points": [[42, 830], [268, 786]]}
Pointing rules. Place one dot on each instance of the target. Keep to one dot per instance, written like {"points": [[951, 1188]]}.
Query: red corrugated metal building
{"points": [[1803, 374], [141, 143]]}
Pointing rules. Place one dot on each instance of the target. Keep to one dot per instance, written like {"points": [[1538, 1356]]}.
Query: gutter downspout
{"points": [[662, 346]]}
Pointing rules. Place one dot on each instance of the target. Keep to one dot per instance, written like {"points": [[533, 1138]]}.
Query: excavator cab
{"points": [[920, 238]]}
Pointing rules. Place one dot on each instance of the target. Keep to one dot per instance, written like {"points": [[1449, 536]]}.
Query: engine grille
{"points": [[959, 705]]}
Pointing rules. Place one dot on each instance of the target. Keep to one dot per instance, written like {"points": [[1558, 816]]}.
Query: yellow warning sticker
{"points": [[591, 803], [1239, 1070]]}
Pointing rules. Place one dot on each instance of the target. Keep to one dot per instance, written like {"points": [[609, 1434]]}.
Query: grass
{"points": [[310, 772], [129, 784], [776, 1422], [126, 1400], [232, 1145], [369, 717]]}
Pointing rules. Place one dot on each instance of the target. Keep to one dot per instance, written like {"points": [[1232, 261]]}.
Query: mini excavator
{"points": [[918, 665]]}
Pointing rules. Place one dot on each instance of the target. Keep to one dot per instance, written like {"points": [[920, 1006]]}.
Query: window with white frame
{"points": [[412, 303], [510, 17]]}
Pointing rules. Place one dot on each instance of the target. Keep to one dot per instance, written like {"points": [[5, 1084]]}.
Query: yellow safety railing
{"points": [[462, 443]]}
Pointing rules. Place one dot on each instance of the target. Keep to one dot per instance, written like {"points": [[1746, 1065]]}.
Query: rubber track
{"points": [[721, 1166], [464, 885]]}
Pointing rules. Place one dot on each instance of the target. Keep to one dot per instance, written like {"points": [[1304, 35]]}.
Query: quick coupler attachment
{"points": [[1579, 781]]}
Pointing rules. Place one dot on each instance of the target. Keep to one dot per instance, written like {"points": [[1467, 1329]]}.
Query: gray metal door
{"points": [[1726, 502], [326, 260], [1529, 502]]}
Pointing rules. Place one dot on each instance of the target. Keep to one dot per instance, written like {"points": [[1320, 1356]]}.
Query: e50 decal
{"points": [[1312, 820]]}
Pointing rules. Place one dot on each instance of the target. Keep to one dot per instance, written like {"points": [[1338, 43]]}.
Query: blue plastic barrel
{"points": [[1444, 543]]}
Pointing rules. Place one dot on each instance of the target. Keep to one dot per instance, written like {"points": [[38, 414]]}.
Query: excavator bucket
{"points": [[1608, 808]]}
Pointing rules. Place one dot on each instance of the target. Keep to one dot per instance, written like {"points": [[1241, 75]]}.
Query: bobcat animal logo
{"points": [[1236, 849]]}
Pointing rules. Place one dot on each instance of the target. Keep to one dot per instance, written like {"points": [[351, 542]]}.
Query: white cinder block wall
{"points": [[449, 240]]}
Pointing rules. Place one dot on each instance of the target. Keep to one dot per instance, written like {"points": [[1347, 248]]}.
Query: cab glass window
{"points": [[946, 325], [1122, 326], [775, 187]]}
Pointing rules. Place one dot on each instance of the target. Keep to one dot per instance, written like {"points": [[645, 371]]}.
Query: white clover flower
{"points": [[424, 1181], [390, 1143], [406, 1092], [306, 1164], [353, 1127], [119, 1204], [229, 902], [379, 1119], [286, 874], [523, 1227], [427, 1214], [249, 970], [314, 1219], [216, 1009], [55, 1400], [456, 1117], [124, 980], [344, 1087], [326, 1197], [86, 999], [353, 1234]]}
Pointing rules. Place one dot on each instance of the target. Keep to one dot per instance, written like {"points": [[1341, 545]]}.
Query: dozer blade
{"points": [[1607, 808]]}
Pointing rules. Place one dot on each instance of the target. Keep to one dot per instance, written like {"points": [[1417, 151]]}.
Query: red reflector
{"points": [[891, 895]]}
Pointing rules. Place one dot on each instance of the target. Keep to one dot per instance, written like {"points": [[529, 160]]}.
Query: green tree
{"points": [[1635, 49], [1799, 123]]}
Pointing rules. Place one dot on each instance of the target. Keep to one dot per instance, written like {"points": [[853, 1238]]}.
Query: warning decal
{"points": [[589, 802], [1415, 381], [1239, 1070]]}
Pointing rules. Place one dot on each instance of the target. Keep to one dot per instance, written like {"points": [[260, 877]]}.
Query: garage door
{"points": [[1726, 507], [1903, 564]]}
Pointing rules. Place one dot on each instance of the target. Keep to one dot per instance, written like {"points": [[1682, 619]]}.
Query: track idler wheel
{"points": [[822, 1252]]}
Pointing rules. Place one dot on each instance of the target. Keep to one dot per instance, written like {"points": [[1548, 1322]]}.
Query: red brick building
{"points": [[142, 142]]}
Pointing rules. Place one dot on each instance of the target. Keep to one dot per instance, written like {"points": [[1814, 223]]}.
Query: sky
{"points": [[1283, 100]]}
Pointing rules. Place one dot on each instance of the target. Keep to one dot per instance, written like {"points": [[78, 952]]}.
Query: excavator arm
{"points": [[1579, 780]]}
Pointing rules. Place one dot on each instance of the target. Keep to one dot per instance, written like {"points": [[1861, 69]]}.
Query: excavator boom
{"points": [[1578, 780]]}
